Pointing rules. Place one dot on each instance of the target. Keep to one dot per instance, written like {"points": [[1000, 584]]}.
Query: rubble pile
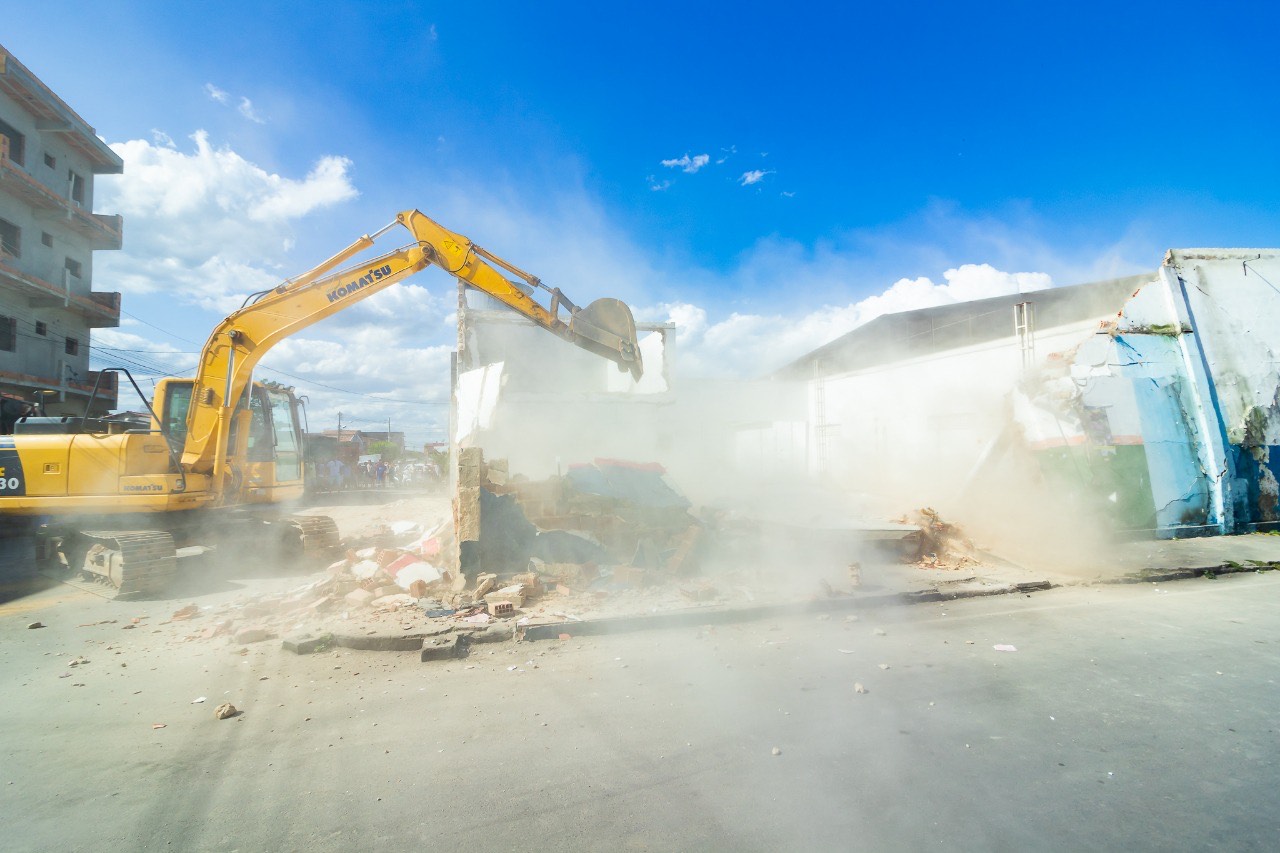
{"points": [[371, 581], [614, 513], [937, 544]]}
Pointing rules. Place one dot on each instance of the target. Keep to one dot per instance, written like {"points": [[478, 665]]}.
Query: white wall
{"points": [[913, 430]]}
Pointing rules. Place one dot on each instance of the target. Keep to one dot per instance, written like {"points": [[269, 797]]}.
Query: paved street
{"points": [[1132, 717]]}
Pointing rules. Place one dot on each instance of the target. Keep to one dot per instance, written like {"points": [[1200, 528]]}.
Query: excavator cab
{"points": [[264, 448]]}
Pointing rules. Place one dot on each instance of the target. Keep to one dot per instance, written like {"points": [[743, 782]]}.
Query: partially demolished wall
{"points": [[1171, 412]]}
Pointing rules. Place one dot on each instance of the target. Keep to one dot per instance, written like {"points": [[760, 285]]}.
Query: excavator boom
{"points": [[605, 327]]}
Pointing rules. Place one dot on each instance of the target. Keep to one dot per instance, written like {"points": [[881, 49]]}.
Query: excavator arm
{"points": [[605, 327]]}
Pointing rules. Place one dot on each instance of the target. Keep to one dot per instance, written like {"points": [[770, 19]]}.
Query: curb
{"points": [[698, 617], [695, 617]]}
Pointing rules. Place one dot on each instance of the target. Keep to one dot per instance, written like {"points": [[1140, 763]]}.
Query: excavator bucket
{"points": [[607, 328]]}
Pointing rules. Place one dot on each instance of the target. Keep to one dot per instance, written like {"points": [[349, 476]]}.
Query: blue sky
{"points": [[824, 162]]}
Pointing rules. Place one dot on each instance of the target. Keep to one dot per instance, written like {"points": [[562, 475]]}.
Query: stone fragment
{"points": [[225, 711], [630, 576], [359, 597], [246, 636], [484, 583], [307, 644], [858, 688], [35, 625], [532, 585], [492, 634], [440, 648]]}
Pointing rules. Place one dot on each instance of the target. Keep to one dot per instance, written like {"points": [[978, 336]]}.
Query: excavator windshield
{"points": [[173, 412], [285, 429]]}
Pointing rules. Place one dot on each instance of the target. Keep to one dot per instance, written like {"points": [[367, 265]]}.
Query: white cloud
{"points": [[219, 95], [727, 153], [688, 164], [431, 33], [735, 346], [656, 185], [206, 224], [755, 176], [404, 382], [244, 106], [786, 194], [246, 109]]}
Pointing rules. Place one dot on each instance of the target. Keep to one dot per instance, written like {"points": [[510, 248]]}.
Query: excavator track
{"points": [[317, 533], [127, 563]]}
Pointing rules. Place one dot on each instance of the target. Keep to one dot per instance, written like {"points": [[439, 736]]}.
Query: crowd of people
{"points": [[336, 475]]}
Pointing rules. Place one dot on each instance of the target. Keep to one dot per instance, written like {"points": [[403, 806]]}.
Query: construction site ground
{"points": [[243, 602], [991, 723]]}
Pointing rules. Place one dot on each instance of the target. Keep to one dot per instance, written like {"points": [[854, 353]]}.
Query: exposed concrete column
{"points": [[1207, 420]]}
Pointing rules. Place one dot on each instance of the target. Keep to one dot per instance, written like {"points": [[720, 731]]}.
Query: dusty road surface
{"points": [[1136, 717]]}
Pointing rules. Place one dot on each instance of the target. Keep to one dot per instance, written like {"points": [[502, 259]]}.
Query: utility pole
{"points": [[339, 426]]}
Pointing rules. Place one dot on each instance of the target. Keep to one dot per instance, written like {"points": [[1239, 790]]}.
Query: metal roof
{"points": [[908, 334]]}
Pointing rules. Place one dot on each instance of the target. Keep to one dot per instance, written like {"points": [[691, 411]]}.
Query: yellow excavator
{"points": [[222, 451]]}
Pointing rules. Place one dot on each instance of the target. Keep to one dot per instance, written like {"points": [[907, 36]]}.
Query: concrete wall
{"points": [[44, 356], [1173, 413], [913, 430]]}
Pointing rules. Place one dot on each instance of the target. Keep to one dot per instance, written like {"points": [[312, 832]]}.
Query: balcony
{"points": [[103, 231], [108, 391], [101, 310]]}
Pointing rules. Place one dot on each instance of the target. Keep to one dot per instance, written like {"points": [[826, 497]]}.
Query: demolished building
{"points": [[1153, 398]]}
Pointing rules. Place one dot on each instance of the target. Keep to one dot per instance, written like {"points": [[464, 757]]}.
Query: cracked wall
{"points": [[1186, 378]]}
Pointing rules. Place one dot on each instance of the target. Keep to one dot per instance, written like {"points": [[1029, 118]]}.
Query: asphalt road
{"points": [[1135, 718]]}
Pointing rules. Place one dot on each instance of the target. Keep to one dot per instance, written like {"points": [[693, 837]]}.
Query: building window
{"points": [[14, 143], [73, 267], [42, 328], [8, 334], [46, 238], [73, 346], [10, 239], [75, 186], [50, 161]]}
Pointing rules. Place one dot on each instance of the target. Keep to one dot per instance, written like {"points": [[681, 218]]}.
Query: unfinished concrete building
{"points": [[49, 156]]}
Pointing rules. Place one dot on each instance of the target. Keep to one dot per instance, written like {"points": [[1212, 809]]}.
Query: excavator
{"points": [[221, 457]]}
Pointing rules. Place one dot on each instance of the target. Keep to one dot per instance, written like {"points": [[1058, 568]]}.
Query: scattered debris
{"points": [[858, 688], [1004, 647], [776, 751], [35, 625], [191, 610], [225, 711], [159, 726], [937, 544], [199, 700]]}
